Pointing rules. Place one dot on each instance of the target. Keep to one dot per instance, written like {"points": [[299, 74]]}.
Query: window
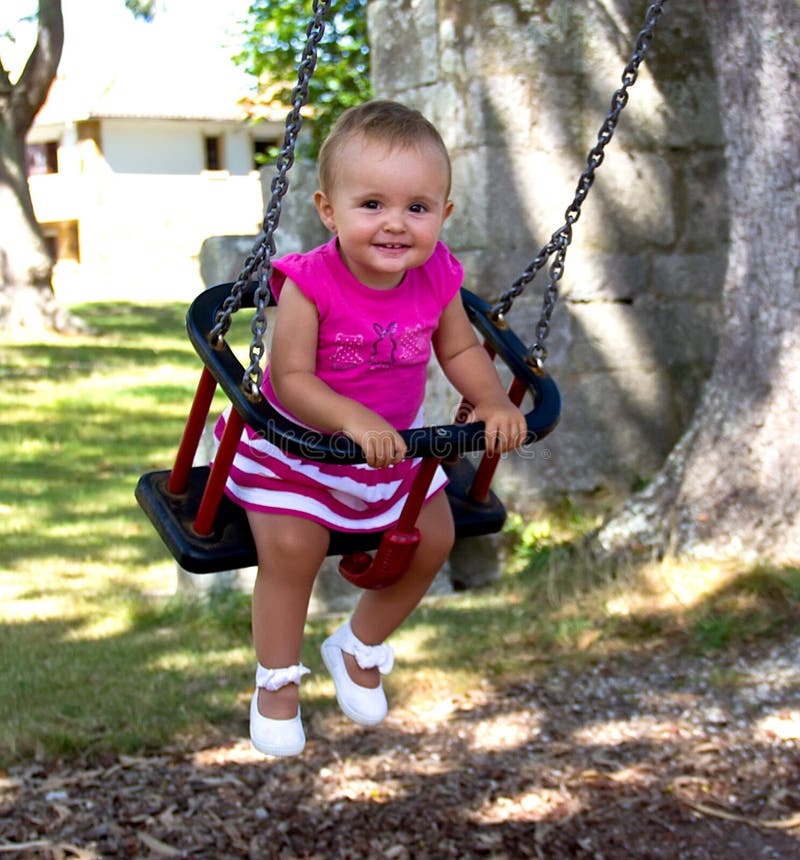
{"points": [[264, 152], [51, 243], [62, 240], [41, 158], [213, 153]]}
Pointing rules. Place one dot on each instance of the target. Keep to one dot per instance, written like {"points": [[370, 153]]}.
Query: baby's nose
{"points": [[394, 220]]}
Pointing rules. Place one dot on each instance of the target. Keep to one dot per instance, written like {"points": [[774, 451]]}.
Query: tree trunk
{"points": [[730, 487], [26, 267]]}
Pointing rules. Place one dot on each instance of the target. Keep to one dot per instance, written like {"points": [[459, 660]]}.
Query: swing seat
{"points": [[227, 544], [230, 546]]}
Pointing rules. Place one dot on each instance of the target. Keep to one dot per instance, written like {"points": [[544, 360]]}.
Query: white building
{"points": [[130, 169]]}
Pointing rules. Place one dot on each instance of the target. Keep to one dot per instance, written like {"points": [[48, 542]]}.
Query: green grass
{"points": [[759, 603], [83, 417], [97, 653]]}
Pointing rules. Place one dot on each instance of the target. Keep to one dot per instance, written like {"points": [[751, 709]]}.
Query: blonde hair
{"points": [[380, 121]]}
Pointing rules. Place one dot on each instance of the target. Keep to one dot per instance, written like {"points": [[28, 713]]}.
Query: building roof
{"points": [[155, 75]]}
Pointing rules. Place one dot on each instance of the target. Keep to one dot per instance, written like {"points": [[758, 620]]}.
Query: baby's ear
{"points": [[325, 210]]}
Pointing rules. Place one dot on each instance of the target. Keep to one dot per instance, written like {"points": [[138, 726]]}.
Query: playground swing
{"points": [[206, 532]]}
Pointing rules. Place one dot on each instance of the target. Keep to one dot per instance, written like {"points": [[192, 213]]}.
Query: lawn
{"points": [[99, 655], [83, 663]]}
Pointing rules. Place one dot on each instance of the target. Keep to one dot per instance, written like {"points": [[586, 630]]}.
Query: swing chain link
{"points": [[561, 238], [261, 255]]}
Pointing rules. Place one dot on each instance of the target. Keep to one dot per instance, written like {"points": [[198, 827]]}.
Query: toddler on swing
{"points": [[355, 323]]}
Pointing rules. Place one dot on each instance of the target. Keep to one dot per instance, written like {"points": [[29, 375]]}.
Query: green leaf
{"points": [[275, 34]]}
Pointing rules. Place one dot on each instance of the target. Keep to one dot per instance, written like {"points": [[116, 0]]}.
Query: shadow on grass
{"points": [[517, 686], [84, 418], [73, 688], [581, 760], [179, 669], [123, 334]]}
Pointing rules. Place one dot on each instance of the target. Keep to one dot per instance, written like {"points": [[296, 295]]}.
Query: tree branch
{"points": [[5, 81], [30, 91]]}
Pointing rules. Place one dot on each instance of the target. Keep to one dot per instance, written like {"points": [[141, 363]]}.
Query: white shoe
{"points": [[364, 705], [270, 736]]}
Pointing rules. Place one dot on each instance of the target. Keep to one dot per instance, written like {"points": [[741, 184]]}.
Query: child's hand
{"points": [[505, 425], [381, 443]]}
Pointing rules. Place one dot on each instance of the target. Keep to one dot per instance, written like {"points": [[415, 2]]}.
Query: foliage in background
{"points": [[274, 39], [145, 9]]}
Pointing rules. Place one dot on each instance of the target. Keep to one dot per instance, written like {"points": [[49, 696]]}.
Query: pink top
{"points": [[373, 345]]}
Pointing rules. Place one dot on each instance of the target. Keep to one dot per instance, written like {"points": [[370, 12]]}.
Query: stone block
{"points": [[332, 593], [614, 426], [521, 195], [299, 228], [394, 67], [702, 198], [680, 332], [456, 41], [475, 562], [204, 585], [609, 336], [519, 90], [697, 277], [522, 36], [631, 205], [222, 258], [456, 108], [466, 227], [441, 399], [647, 334], [688, 112], [592, 276]]}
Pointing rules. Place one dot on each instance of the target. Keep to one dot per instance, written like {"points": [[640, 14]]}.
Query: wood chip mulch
{"points": [[646, 756]]}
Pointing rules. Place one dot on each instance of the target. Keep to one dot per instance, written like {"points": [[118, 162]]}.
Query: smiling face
{"points": [[386, 204]]}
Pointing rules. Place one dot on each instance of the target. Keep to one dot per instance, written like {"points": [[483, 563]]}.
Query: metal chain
{"points": [[260, 257], [560, 240]]}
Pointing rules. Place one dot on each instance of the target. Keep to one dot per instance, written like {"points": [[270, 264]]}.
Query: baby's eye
{"points": [[371, 204], [418, 208]]}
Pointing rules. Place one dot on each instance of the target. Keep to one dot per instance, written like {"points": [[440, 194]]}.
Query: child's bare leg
{"points": [[379, 613], [290, 552]]}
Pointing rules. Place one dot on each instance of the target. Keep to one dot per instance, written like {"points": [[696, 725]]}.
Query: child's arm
{"points": [[292, 367], [467, 365]]}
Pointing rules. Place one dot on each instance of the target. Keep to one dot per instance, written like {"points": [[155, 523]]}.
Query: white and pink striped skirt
{"points": [[347, 498]]}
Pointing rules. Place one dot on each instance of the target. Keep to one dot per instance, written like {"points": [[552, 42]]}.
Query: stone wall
{"points": [[519, 91]]}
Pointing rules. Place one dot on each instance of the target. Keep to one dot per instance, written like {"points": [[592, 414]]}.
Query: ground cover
{"points": [[556, 713]]}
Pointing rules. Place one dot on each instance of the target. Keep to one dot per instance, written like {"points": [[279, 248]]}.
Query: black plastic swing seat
{"points": [[230, 546]]}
